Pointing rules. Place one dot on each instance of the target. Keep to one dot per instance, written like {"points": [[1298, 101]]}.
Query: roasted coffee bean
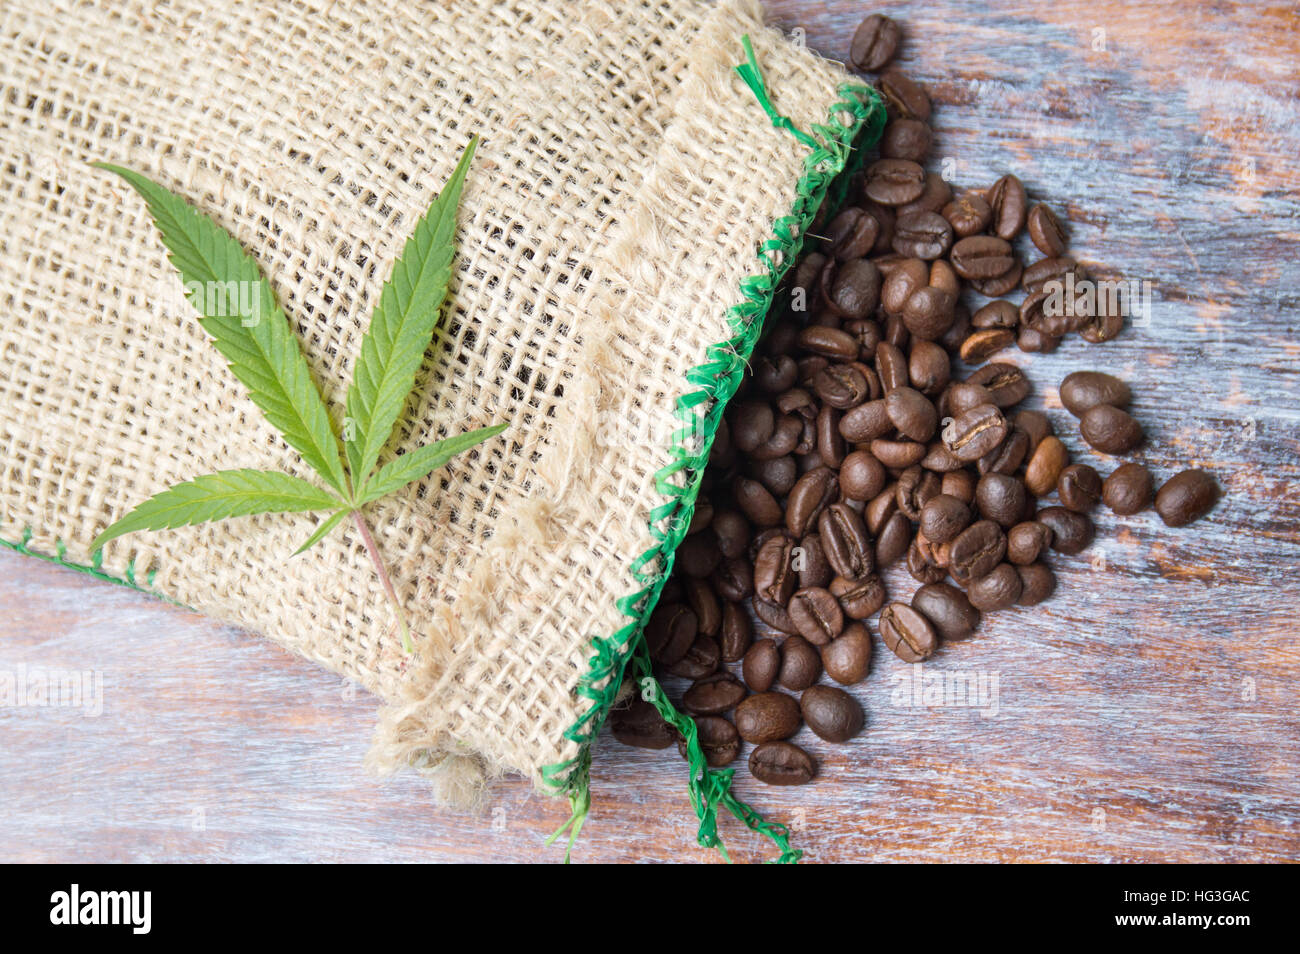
{"points": [[975, 432], [923, 235], [782, 763], [1035, 424], [1006, 384], [996, 315], [777, 475], [700, 660], [855, 293], [852, 234], [908, 634], [1046, 231], [1027, 541], [1129, 489], [998, 590], [830, 445], [813, 493], [775, 373], [943, 517], [920, 566], [1036, 314], [757, 503], [841, 386], [891, 366], [928, 367], [865, 423], [1084, 390], [999, 285], [1040, 273], [810, 561], [704, 603], [947, 608], [1007, 457], [961, 396], [774, 615], [906, 139], [847, 658], [1185, 497], [897, 455], [816, 614], [859, 598], [774, 573], [861, 476], [670, 632], [1036, 584], [981, 257], [761, 665], [831, 713], [846, 541], [968, 214], [867, 333], [907, 277], [874, 43], [768, 716], [702, 515], [911, 413], [1105, 321], [977, 550], [827, 343], [719, 741], [1079, 488], [1071, 532], [734, 579], [979, 346], [801, 663], [713, 695], [639, 724], [752, 423], [736, 634], [903, 96], [894, 181], [731, 530], [1000, 498], [784, 440], [929, 313], [893, 540], [1110, 430], [880, 508], [916, 487], [1045, 465], [1010, 205]]}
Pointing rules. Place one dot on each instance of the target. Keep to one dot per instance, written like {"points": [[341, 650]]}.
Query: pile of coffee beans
{"points": [[856, 442]]}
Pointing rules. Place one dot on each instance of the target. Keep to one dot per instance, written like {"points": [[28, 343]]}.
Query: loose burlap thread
{"points": [[624, 186]]}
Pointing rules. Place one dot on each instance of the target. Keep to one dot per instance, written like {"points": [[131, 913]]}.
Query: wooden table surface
{"points": [[1146, 713]]}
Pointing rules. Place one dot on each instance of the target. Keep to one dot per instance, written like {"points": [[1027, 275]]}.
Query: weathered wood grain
{"points": [[1146, 713]]}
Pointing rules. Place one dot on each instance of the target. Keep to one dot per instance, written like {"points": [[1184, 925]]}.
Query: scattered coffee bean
{"points": [[767, 717], [639, 724], [908, 634], [719, 740], [1185, 497], [1084, 390], [947, 608], [831, 713], [847, 658], [1129, 489], [1109, 429], [782, 763]]}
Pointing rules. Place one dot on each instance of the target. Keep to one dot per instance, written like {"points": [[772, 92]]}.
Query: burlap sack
{"points": [[621, 229]]}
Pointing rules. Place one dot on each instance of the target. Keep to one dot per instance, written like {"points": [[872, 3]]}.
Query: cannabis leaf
{"points": [[238, 310]]}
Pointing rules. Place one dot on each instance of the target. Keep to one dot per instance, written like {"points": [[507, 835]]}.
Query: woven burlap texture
{"points": [[624, 183]]}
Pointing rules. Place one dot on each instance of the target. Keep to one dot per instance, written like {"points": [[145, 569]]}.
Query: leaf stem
{"points": [[364, 529]]}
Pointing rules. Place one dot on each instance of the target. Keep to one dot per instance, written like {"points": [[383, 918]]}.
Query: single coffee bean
{"points": [[929, 313], [1129, 489], [841, 386], [1110, 430], [852, 234], [909, 276], [734, 579], [947, 608], [774, 615], [891, 366], [959, 484], [1105, 321], [916, 488], [800, 663], [1071, 532], [894, 181], [1027, 541], [810, 560], [700, 660], [846, 541], [1045, 465], [977, 550], [1034, 423], [1079, 488], [713, 695], [928, 367], [670, 632], [1050, 322], [903, 96], [1006, 384], [961, 396], [816, 614], [859, 598], [1185, 497], [997, 590], [814, 491], [831, 713], [908, 634], [752, 424], [999, 285], [698, 556], [975, 432], [639, 724], [861, 476], [784, 440], [996, 315], [702, 516], [775, 373], [1084, 390], [893, 540], [704, 603], [874, 43], [847, 658], [1000, 498], [736, 634], [1036, 584], [777, 475], [906, 139], [732, 532], [897, 455], [921, 565], [1009, 203], [827, 343], [865, 423], [718, 738], [979, 346], [767, 716], [939, 459], [830, 445], [943, 517], [757, 503], [911, 413], [761, 665], [1046, 231], [969, 214], [981, 256], [923, 235], [774, 573], [782, 763], [1046, 270], [1007, 457], [880, 508], [855, 293]]}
